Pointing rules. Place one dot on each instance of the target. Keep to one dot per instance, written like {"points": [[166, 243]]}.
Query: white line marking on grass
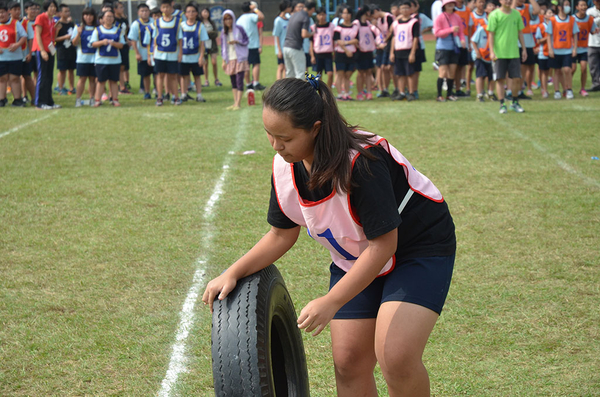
{"points": [[17, 128], [178, 363], [540, 148]]}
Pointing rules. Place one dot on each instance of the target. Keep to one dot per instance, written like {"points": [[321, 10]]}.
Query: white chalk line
{"points": [[542, 149], [178, 362], [17, 128]]}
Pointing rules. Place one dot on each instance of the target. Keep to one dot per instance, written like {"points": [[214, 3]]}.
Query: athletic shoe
{"points": [[25, 99], [159, 102], [56, 89], [249, 86], [104, 97], [44, 107], [360, 97], [468, 92], [463, 84], [441, 99], [348, 98], [206, 84], [18, 103], [127, 86], [451, 98], [78, 103], [416, 94], [341, 97], [570, 94], [508, 95], [92, 102], [166, 97], [369, 97], [56, 106], [259, 87], [411, 97], [400, 97], [97, 104], [395, 95], [480, 98], [383, 94], [583, 93], [544, 94], [141, 91], [534, 86], [63, 91], [176, 101], [557, 95], [116, 104], [200, 98], [517, 107], [184, 98], [460, 94], [218, 83], [125, 92], [503, 109], [523, 96], [493, 97], [147, 96], [529, 92]]}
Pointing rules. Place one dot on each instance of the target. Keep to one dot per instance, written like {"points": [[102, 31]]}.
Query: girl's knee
{"points": [[352, 363], [400, 363]]}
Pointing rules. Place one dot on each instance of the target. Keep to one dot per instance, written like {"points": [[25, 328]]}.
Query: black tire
{"points": [[257, 348]]}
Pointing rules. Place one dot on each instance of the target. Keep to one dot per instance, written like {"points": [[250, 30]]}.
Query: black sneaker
{"points": [[127, 86], [249, 86], [400, 97], [383, 94], [480, 98], [166, 97], [259, 87], [460, 94], [523, 96], [184, 98], [18, 103], [493, 97], [395, 95], [411, 97]]}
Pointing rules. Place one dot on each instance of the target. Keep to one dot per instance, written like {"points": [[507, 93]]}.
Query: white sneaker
{"points": [[557, 95], [45, 107], [200, 98], [570, 94], [545, 94], [78, 103], [55, 106]]}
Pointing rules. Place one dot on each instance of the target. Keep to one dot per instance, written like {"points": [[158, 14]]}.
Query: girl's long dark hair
{"points": [[300, 101]]}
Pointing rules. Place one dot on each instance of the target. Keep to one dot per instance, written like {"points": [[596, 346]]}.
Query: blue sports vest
{"points": [[144, 30], [191, 41], [86, 35], [166, 38], [114, 52]]}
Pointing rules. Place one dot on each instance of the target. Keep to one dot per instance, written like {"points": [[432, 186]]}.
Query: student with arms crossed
{"points": [[12, 38], [387, 227], [86, 54]]}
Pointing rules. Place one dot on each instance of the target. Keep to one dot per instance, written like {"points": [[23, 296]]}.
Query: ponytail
{"points": [[305, 105]]}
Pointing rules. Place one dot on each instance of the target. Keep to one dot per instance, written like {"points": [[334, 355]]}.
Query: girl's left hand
{"points": [[317, 314]]}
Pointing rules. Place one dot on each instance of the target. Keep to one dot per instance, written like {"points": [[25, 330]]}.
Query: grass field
{"points": [[102, 227]]}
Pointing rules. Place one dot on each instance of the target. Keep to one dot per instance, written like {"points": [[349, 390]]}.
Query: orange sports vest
{"points": [[465, 16], [526, 16], [545, 45], [485, 51], [562, 32], [584, 31], [8, 33], [477, 21], [25, 24]]}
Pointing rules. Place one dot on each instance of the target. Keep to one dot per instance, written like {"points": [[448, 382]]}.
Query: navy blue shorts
{"points": [[364, 61], [581, 57], [11, 67], [422, 281], [108, 72], [280, 61], [168, 67], [343, 63], [382, 58], [86, 70], [194, 68], [28, 67], [543, 64], [403, 68], [532, 57], [125, 56], [254, 56], [66, 64], [484, 69], [323, 64], [308, 60], [464, 58], [561, 61], [144, 69]]}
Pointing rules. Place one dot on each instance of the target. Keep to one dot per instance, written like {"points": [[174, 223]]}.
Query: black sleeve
{"points": [[336, 36], [390, 20], [416, 29], [275, 216], [374, 200]]}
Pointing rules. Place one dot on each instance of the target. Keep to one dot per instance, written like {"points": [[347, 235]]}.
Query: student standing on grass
{"points": [[248, 21], [425, 25], [464, 57], [86, 54], [382, 55], [234, 51], [66, 53], [345, 37], [122, 22], [29, 63], [321, 48], [505, 29], [108, 40], [43, 45], [543, 54], [594, 48], [279, 31], [293, 53], [211, 48], [528, 12], [140, 37], [586, 26], [367, 35], [403, 53], [12, 38], [194, 37], [562, 32], [449, 32], [167, 52], [393, 250], [483, 61]]}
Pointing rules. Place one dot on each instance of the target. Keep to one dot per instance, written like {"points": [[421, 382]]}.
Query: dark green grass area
{"points": [[102, 223]]}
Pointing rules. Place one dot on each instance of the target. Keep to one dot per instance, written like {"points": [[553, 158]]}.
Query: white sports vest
{"points": [[330, 221]]}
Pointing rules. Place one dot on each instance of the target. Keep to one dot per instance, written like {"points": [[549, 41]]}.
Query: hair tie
{"points": [[313, 80]]}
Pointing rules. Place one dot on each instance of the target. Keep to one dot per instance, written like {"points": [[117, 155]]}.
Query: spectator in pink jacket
{"points": [[450, 38]]}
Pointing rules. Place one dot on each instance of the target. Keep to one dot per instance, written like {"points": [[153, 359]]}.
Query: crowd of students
{"points": [[382, 47]]}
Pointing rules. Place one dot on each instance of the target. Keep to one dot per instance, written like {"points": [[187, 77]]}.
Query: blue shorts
{"points": [[382, 58], [484, 69], [125, 56], [403, 68], [86, 70], [308, 60], [364, 61], [581, 57], [66, 64], [343, 63], [323, 64], [168, 67], [544, 64], [194, 68], [464, 57], [143, 69], [253, 56], [108, 72], [561, 61], [29, 67], [422, 281], [279, 60], [11, 67]]}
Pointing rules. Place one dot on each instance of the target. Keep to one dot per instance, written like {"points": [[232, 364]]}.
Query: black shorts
{"points": [[464, 58], [531, 57], [421, 281], [27, 67], [280, 61], [403, 68], [484, 69], [344, 63], [544, 64], [66, 64], [168, 67], [583, 57], [382, 57], [253, 56], [11, 67], [512, 66], [86, 70], [323, 64], [125, 56], [143, 69], [108, 72], [420, 55], [446, 57], [194, 68], [365, 61], [308, 60], [561, 61]]}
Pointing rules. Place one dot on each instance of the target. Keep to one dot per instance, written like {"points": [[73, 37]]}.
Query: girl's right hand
{"points": [[44, 55], [218, 288], [455, 29]]}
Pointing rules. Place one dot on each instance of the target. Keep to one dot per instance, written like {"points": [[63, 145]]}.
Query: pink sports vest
{"points": [[323, 38], [347, 34], [382, 24], [403, 35], [331, 221], [366, 37]]}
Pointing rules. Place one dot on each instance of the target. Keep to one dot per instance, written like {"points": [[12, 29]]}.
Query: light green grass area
{"points": [[101, 226]]}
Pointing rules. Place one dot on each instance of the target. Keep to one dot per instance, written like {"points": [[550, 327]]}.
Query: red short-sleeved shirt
{"points": [[47, 25]]}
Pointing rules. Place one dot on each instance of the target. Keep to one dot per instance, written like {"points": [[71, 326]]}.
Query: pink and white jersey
{"points": [[382, 24], [331, 221], [347, 33], [367, 36], [323, 38], [403, 38]]}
